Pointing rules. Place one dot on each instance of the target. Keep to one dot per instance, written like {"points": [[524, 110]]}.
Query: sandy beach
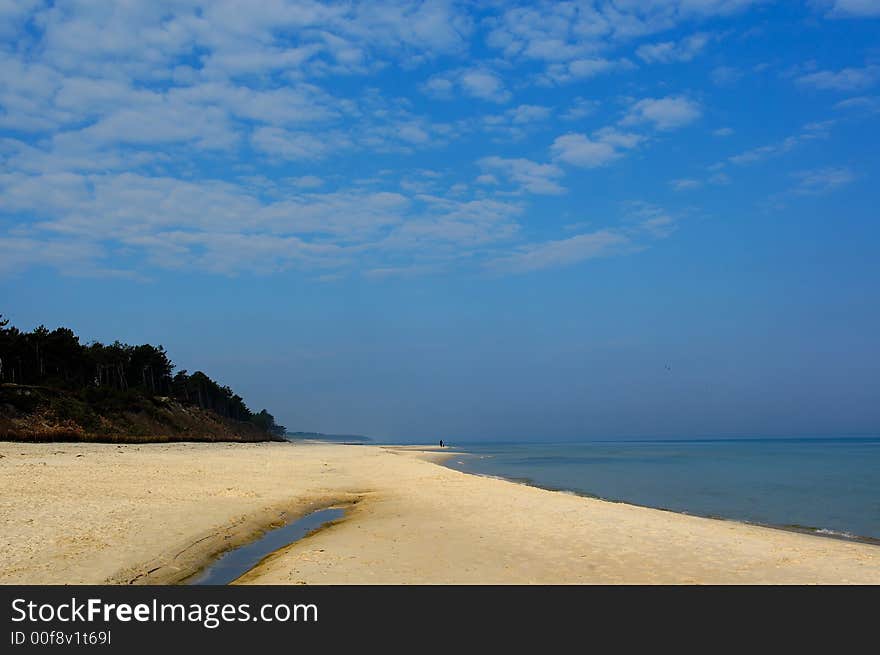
{"points": [[102, 513]]}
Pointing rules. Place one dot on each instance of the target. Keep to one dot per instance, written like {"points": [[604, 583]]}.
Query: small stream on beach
{"points": [[235, 563]]}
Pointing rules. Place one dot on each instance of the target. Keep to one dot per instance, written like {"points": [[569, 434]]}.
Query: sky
{"points": [[421, 220]]}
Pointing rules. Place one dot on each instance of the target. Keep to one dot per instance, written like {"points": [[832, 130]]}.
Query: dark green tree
{"points": [[57, 359]]}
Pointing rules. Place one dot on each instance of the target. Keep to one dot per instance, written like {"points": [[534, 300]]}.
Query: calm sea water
{"points": [[830, 485]]}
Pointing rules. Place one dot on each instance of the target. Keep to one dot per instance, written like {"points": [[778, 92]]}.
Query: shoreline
{"points": [[825, 533], [162, 513]]}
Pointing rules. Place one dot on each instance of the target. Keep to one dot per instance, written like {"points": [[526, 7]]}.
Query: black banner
{"points": [[227, 619]]}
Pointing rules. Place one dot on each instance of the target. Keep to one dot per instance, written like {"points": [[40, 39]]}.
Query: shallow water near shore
{"points": [[826, 486], [235, 563]]}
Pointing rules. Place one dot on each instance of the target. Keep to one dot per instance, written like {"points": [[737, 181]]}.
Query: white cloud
{"points": [[673, 51], [642, 223], [291, 105], [851, 8], [142, 39], [723, 131], [307, 182], [600, 149], [570, 39], [554, 31], [165, 122], [684, 184], [846, 79], [306, 146], [530, 176], [822, 180], [562, 252], [413, 133], [439, 87], [13, 15], [868, 104], [667, 113], [580, 108], [516, 123], [26, 92], [219, 137], [226, 228], [814, 182], [717, 178], [644, 218], [528, 114], [581, 150], [726, 75], [810, 132], [480, 83], [623, 140], [659, 227], [581, 69], [483, 84]]}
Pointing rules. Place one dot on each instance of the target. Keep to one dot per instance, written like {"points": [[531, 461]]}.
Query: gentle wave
{"points": [[788, 483]]}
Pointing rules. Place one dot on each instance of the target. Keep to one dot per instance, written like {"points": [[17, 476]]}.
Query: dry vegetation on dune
{"points": [[34, 413]]}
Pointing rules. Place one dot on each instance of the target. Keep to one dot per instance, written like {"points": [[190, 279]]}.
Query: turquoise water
{"points": [[827, 485]]}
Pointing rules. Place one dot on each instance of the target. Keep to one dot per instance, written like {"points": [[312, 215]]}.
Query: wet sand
{"points": [[158, 513]]}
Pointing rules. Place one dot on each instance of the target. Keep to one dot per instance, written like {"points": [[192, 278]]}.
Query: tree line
{"points": [[57, 359]]}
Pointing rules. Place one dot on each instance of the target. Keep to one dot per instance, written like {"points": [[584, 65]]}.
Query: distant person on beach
{"points": [[441, 443]]}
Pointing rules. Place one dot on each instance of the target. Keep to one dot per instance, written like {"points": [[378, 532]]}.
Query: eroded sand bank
{"points": [[93, 513]]}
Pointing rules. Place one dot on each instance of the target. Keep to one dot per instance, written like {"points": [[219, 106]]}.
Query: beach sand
{"points": [[102, 513]]}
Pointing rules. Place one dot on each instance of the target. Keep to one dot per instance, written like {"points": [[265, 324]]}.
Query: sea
{"points": [[828, 486]]}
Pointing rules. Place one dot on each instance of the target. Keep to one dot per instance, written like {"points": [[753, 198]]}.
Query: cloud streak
{"points": [[344, 137]]}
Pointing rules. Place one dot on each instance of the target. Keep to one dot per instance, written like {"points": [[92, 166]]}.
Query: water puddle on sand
{"points": [[235, 563]]}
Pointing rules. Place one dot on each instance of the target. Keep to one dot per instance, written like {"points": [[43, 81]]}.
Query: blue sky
{"points": [[418, 220]]}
